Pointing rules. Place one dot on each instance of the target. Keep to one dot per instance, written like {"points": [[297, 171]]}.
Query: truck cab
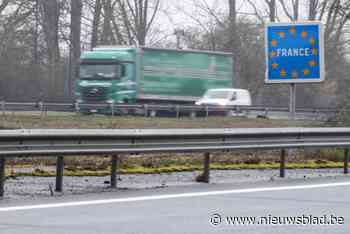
{"points": [[226, 97], [105, 77]]}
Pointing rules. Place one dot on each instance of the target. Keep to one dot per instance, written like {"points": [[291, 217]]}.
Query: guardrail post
{"points": [[283, 164], [193, 114], [206, 111], [76, 107], [45, 109], [238, 109], [205, 176], [177, 111], [2, 176], [42, 111], [112, 109], [266, 112], [146, 110], [206, 171], [3, 104], [114, 169], [59, 173], [346, 161]]}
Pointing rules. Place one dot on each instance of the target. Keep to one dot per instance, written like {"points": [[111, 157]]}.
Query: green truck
{"points": [[115, 75]]}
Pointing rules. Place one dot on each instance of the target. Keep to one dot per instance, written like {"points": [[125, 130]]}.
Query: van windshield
{"points": [[99, 71], [217, 94]]}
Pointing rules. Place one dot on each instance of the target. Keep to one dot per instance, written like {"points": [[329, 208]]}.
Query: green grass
{"points": [[72, 120], [311, 164]]}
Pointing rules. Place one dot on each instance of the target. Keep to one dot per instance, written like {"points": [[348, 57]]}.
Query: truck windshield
{"points": [[99, 71], [219, 94]]}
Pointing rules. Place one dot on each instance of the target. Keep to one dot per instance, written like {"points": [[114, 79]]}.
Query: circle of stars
{"points": [[293, 33]]}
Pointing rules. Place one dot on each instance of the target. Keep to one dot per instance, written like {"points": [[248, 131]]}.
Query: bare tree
{"points": [[3, 5], [51, 14], [209, 25], [13, 20], [293, 14], [234, 41], [338, 15], [138, 17], [270, 9], [96, 23], [107, 37], [75, 32], [313, 8]]}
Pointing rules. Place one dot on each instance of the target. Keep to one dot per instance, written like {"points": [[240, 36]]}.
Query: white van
{"points": [[226, 97]]}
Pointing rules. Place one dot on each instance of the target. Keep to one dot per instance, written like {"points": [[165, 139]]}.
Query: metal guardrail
{"points": [[54, 142], [176, 110]]}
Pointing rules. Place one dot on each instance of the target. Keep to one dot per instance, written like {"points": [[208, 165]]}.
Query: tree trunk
{"points": [[107, 33], [96, 23], [51, 13], [272, 10], [296, 10], [136, 19], [75, 48], [313, 5], [234, 41]]}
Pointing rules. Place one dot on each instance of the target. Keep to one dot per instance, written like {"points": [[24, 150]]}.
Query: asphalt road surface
{"points": [[189, 209]]}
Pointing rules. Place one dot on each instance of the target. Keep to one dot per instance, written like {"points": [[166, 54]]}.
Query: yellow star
{"points": [[281, 34], [314, 51], [273, 54], [273, 42], [303, 34], [292, 31], [295, 74], [306, 72], [312, 63], [274, 65], [283, 73], [312, 41]]}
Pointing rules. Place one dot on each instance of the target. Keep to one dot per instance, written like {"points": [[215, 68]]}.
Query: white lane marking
{"points": [[170, 196]]}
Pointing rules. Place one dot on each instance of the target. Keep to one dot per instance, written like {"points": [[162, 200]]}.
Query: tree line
{"points": [[41, 41]]}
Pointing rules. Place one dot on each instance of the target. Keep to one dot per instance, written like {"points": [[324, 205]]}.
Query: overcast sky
{"points": [[180, 13], [184, 13]]}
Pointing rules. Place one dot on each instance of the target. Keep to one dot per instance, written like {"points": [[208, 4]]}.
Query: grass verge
{"points": [[76, 121], [312, 164]]}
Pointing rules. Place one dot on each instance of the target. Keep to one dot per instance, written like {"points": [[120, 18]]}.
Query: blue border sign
{"points": [[294, 52]]}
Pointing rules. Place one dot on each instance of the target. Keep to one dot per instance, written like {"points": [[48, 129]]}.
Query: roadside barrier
{"points": [[63, 142]]}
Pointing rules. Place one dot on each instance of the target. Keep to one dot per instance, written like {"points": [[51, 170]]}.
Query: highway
{"points": [[186, 209]]}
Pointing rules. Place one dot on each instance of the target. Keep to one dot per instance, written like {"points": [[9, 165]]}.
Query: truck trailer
{"points": [[115, 75]]}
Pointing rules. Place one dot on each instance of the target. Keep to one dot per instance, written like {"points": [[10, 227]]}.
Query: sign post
{"points": [[292, 100], [294, 54]]}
